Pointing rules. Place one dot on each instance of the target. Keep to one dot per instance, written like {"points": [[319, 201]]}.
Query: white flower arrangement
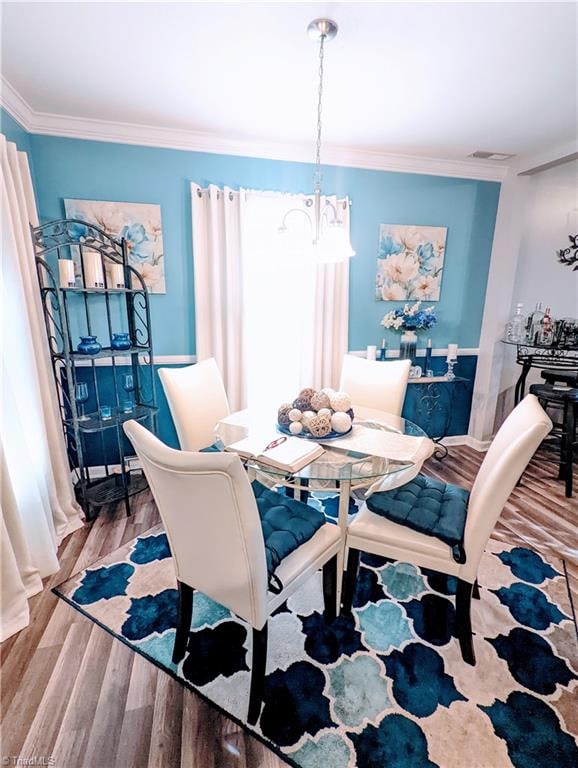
{"points": [[410, 318]]}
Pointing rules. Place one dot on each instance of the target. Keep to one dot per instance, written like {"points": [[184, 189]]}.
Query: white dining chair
{"points": [[375, 384], [215, 523], [197, 401], [422, 500]]}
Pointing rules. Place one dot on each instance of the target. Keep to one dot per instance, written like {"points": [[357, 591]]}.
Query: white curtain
{"points": [[274, 319], [218, 285], [331, 322], [37, 503]]}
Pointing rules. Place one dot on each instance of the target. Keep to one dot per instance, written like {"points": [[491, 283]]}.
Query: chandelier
{"points": [[330, 238]]}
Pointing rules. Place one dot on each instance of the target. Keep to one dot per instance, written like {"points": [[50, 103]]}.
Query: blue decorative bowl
{"points": [[120, 341], [308, 436], [89, 345]]}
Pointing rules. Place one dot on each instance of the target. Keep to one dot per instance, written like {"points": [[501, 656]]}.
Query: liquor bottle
{"points": [[534, 323], [516, 327], [546, 331], [428, 354]]}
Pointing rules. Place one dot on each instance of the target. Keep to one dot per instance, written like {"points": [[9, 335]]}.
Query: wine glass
{"points": [[81, 396], [128, 386]]}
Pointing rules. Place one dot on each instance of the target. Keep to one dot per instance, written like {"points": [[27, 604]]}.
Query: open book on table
{"points": [[292, 454]]}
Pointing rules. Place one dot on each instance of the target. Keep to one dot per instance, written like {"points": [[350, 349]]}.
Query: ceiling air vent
{"points": [[481, 155]]}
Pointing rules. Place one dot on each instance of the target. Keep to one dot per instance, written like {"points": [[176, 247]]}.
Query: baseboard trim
{"points": [[478, 445], [190, 359], [100, 362], [436, 352]]}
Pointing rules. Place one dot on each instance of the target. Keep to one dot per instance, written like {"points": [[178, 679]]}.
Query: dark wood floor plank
{"points": [[44, 729], [165, 744], [135, 736], [105, 732], [71, 743]]}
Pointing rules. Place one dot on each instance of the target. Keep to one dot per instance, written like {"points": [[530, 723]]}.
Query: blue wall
{"points": [[104, 171], [451, 417], [72, 168], [14, 132]]}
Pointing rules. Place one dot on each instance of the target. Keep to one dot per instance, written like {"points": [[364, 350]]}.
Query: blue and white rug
{"points": [[384, 688]]}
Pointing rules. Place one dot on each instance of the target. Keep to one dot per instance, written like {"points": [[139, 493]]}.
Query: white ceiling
{"points": [[433, 79]]}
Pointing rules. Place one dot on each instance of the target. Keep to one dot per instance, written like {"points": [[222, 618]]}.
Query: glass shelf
{"points": [[95, 424], [108, 490], [102, 291], [106, 352], [543, 347]]}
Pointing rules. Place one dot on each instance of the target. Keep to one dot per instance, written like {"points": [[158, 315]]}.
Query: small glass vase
{"points": [[408, 346]]}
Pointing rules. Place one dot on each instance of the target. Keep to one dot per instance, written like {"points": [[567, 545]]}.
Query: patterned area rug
{"points": [[386, 687]]}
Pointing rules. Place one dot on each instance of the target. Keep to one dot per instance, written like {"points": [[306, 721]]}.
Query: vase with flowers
{"points": [[409, 319]]}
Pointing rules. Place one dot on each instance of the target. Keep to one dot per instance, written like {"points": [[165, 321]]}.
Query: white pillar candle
{"points": [[66, 273], [117, 276], [93, 275], [371, 352], [452, 352]]}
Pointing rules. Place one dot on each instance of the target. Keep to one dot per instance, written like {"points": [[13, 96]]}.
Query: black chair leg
{"points": [[464, 621], [476, 590], [185, 614], [330, 589], [257, 674], [570, 437], [350, 580]]}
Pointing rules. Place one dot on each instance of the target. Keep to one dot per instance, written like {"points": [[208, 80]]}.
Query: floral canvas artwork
{"points": [[410, 262], [138, 223]]}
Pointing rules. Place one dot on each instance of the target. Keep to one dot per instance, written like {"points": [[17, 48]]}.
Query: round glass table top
{"points": [[379, 444]]}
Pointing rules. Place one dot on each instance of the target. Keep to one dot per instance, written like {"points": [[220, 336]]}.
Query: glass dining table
{"points": [[380, 447]]}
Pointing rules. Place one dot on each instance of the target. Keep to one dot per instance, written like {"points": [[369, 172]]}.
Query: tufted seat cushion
{"points": [[286, 524], [428, 506]]}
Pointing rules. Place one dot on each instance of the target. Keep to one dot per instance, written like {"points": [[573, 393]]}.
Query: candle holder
{"points": [[450, 375]]}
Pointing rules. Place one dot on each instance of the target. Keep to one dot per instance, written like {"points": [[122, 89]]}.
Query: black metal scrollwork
{"points": [[569, 256], [72, 310]]}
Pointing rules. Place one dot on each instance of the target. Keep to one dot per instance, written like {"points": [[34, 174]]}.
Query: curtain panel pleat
{"points": [[38, 506], [217, 284]]}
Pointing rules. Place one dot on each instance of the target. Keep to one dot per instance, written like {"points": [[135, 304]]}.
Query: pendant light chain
{"points": [[330, 241], [319, 105]]}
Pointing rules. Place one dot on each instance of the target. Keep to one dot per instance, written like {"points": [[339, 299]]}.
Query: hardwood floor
{"points": [[75, 696]]}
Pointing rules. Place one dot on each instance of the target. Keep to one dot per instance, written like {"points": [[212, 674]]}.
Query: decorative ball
{"points": [[283, 414], [327, 412], [295, 427], [328, 391], [295, 414], [350, 414], [319, 400], [340, 422], [307, 416], [340, 401], [302, 403], [306, 394], [320, 426]]}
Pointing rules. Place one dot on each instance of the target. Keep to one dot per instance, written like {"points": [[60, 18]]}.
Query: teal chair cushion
{"points": [[429, 506], [211, 449], [286, 524]]}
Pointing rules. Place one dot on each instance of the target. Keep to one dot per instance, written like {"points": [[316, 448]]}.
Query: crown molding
{"points": [[15, 105], [47, 124], [528, 165]]}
